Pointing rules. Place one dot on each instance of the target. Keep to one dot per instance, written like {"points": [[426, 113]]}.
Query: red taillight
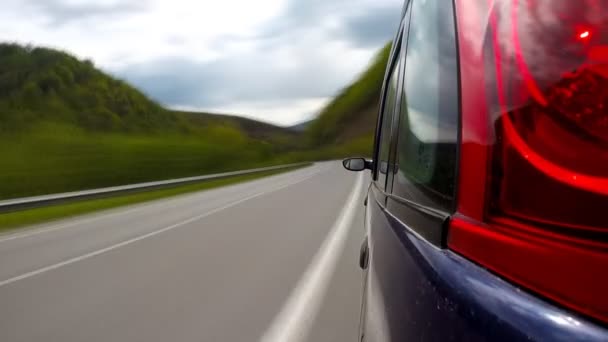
{"points": [[533, 186]]}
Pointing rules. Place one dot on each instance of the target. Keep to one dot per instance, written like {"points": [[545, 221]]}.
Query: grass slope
{"points": [[346, 125]]}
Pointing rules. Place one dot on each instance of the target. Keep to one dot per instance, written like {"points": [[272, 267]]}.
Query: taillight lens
{"points": [[535, 128]]}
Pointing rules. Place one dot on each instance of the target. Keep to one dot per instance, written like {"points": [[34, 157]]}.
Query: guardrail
{"points": [[46, 200]]}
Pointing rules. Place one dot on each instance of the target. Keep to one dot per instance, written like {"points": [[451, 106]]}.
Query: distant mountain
{"points": [[282, 137], [301, 127], [347, 123]]}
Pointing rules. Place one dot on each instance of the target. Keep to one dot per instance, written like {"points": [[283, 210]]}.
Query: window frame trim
{"points": [[393, 59], [392, 153]]}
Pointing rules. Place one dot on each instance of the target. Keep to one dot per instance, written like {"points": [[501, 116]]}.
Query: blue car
{"points": [[487, 214]]}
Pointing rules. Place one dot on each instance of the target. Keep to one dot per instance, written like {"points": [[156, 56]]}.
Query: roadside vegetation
{"points": [[66, 125]]}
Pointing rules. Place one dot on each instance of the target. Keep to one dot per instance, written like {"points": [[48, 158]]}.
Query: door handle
{"points": [[364, 255]]}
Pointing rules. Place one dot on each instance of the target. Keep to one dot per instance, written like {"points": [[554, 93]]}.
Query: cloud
{"points": [[62, 12], [360, 22], [375, 26], [306, 54], [271, 56], [254, 77]]}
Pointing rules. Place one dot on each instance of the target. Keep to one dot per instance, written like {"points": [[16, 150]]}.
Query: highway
{"points": [[275, 259]]}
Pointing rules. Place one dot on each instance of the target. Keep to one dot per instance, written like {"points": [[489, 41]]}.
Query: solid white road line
{"points": [[61, 226], [151, 234], [294, 321]]}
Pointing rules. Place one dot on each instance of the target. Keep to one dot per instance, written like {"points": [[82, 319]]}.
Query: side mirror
{"points": [[357, 164]]}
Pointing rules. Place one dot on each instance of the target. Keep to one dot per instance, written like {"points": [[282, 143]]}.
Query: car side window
{"points": [[387, 120], [429, 108]]}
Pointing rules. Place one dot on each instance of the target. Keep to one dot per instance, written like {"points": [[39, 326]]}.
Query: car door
{"points": [[413, 199], [382, 174]]}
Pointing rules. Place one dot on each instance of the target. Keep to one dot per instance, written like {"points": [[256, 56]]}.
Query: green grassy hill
{"points": [[40, 84], [65, 125], [346, 126]]}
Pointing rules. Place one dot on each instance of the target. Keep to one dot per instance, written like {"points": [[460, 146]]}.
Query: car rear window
{"points": [[428, 119]]}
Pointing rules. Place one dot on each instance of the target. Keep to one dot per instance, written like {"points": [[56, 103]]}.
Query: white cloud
{"points": [[148, 31], [273, 59]]}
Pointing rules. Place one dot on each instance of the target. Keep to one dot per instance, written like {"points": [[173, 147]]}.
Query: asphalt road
{"points": [[270, 260]]}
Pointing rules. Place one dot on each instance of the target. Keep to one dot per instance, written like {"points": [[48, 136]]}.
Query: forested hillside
{"points": [[40, 84], [66, 125]]}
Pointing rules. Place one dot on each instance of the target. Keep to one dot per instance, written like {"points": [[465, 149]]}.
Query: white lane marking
{"points": [[294, 321], [151, 234], [53, 228]]}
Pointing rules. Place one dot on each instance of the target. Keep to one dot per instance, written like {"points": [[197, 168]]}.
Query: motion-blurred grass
{"points": [[31, 216], [53, 158]]}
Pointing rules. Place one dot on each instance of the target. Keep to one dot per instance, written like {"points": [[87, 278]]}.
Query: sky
{"points": [[278, 61]]}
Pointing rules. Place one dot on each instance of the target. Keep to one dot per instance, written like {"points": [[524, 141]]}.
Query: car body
{"points": [[484, 216]]}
